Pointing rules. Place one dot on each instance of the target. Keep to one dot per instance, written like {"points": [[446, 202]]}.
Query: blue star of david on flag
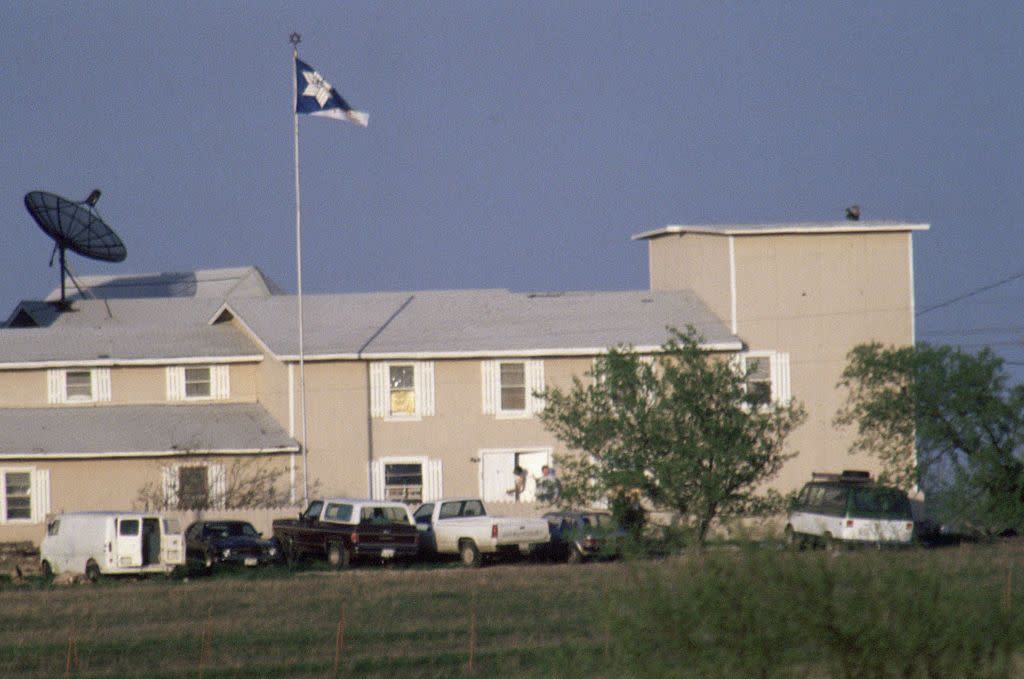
{"points": [[316, 97]]}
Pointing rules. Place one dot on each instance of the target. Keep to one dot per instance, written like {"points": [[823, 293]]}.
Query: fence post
{"points": [[72, 655], [339, 640], [472, 629], [207, 637]]}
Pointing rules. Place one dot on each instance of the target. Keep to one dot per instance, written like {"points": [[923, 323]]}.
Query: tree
{"points": [[945, 420], [679, 431], [248, 484]]}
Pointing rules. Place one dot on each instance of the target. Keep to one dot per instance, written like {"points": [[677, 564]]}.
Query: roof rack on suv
{"points": [[848, 476]]}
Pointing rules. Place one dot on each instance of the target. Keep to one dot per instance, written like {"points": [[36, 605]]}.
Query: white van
{"points": [[111, 543]]}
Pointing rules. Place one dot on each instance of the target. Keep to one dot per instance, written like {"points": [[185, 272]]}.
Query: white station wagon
{"points": [[849, 508]]}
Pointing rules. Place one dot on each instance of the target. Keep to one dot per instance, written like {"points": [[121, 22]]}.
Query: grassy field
{"points": [[730, 612]]}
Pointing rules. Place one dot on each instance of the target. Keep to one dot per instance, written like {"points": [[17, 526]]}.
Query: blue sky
{"points": [[518, 145]]}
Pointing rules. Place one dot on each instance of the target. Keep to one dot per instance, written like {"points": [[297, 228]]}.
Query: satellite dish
{"points": [[74, 226]]}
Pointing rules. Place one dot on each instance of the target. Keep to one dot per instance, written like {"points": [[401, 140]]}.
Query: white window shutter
{"points": [[101, 384], [378, 389], [780, 377], [217, 482], [55, 385], [432, 481], [175, 383], [489, 380], [534, 382], [40, 495], [425, 388], [377, 480], [220, 378], [170, 487]]}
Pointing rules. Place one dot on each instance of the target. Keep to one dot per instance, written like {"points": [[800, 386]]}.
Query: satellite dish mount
{"points": [[74, 226]]}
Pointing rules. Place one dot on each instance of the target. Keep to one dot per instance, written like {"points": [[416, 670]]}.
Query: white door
{"points": [[496, 477], [129, 542]]}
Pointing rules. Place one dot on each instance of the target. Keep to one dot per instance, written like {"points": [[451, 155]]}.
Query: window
{"points": [[24, 495], [198, 382], [406, 479], [403, 482], [513, 386], [402, 390], [767, 376], [342, 513], [424, 513], [128, 527], [509, 387], [17, 491], [195, 486], [193, 489], [79, 385], [759, 381]]}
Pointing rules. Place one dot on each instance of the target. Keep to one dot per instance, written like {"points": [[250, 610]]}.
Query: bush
{"points": [[760, 613]]}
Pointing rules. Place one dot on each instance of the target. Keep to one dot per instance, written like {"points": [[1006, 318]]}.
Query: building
{"points": [[173, 386]]}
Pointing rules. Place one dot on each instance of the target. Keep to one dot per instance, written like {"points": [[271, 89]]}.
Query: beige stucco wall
{"points": [[113, 484], [23, 388], [129, 385], [343, 441], [817, 296], [694, 261], [814, 296]]}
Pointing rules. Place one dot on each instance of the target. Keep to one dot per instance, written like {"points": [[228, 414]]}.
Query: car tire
{"points": [[575, 556], [829, 543], [792, 538], [92, 571], [291, 555], [47, 571], [208, 561], [469, 554], [338, 556]]}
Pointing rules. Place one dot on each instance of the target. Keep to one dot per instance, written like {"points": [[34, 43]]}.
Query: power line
{"points": [[972, 293]]}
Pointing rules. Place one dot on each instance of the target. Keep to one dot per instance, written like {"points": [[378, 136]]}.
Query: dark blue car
{"points": [[227, 542]]}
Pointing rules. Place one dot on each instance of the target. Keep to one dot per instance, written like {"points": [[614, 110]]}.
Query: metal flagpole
{"points": [[295, 39]]}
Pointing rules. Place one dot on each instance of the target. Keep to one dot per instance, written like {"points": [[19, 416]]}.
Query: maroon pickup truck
{"points": [[342, 530]]}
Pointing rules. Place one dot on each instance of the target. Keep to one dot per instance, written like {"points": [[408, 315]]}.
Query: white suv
{"points": [[849, 508]]}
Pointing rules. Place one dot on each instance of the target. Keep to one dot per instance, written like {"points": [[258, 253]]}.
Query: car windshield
{"points": [[878, 502], [231, 530]]}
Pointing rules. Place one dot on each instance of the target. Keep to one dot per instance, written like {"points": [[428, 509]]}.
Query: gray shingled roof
{"points": [[478, 322], [127, 330], [242, 281], [143, 430]]}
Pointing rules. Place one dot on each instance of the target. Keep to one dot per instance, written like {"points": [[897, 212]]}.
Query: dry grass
{"points": [[410, 623], [954, 612]]}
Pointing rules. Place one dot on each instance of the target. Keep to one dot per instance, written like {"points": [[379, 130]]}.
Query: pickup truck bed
{"points": [[461, 526], [343, 530]]}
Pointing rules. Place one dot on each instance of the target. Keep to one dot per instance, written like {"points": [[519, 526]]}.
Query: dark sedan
{"points": [[585, 535], [227, 542]]}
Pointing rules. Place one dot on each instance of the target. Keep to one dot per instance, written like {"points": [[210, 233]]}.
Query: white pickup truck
{"points": [[461, 526]]}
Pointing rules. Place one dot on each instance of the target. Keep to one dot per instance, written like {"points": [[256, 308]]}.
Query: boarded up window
{"points": [[403, 482], [402, 384], [17, 489], [193, 489], [759, 380]]}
